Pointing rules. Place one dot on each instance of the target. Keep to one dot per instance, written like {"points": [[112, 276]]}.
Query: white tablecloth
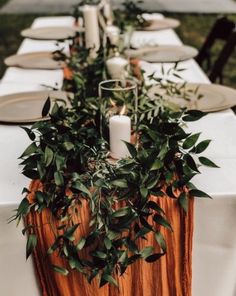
{"points": [[214, 253]]}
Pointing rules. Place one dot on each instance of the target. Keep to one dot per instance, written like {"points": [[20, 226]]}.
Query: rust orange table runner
{"points": [[169, 276]]}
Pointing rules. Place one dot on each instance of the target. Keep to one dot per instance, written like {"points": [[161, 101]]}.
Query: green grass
{"points": [[193, 31], [3, 2], [10, 39]]}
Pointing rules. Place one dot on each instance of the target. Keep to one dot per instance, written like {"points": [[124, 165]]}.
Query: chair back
{"points": [[217, 69], [221, 30]]}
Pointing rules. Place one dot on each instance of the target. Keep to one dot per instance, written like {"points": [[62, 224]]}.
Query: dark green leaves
{"points": [[78, 185], [81, 244], [202, 146], [157, 165], [58, 177], [24, 207], [190, 141], [32, 174], [154, 257], [198, 193], [69, 232], [154, 206], [68, 146], [48, 156], [207, 162], [132, 149], [160, 240], [191, 163], [31, 244], [121, 183], [121, 212], [46, 107], [183, 201], [61, 270], [193, 115], [32, 148], [29, 132], [162, 221], [106, 278], [147, 251]]}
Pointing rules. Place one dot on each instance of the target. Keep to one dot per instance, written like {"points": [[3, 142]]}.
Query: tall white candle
{"points": [[92, 37], [107, 11], [113, 33], [116, 67], [120, 130]]}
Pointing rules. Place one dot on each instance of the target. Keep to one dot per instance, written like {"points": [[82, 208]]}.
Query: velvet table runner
{"points": [[169, 276]]}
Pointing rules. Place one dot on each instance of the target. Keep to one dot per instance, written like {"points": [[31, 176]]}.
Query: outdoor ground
{"points": [[193, 30]]}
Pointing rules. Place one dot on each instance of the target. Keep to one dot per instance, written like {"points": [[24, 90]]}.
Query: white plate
{"points": [[163, 53], [215, 97], [51, 33], [160, 24], [35, 60], [27, 107]]}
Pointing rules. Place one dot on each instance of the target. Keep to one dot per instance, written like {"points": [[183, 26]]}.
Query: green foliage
{"points": [[69, 156], [130, 15]]}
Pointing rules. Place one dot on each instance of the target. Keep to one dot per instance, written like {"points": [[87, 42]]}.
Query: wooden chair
{"points": [[217, 69], [221, 30]]}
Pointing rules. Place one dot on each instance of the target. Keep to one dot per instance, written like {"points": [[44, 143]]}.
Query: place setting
{"points": [[163, 53], [52, 33], [26, 107], [38, 60], [197, 96], [158, 24]]}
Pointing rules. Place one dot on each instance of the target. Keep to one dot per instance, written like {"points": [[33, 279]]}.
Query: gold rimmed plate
{"points": [[203, 97], [35, 60], [51, 33], [159, 24], [26, 107], [163, 53]]}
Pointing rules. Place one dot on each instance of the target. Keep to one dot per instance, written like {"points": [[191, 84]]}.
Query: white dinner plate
{"points": [[35, 60], [214, 97], [163, 53], [51, 33], [26, 107], [159, 24]]}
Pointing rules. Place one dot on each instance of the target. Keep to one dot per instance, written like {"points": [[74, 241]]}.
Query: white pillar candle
{"points": [[120, 130], [116, 67], [107, 11], [113, 33], [92, 37]]}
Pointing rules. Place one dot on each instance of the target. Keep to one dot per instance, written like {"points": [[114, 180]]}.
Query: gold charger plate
{"points": [[215, 97], [163, 53], [26, 107], [51, 33], [160, 24], [34, 60]]}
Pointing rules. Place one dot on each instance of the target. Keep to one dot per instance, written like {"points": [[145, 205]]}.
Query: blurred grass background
{"points": [[193, 31], [2, 2]]}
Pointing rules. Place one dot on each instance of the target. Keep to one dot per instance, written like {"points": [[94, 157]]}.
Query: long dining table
{"points": [[214, 245]]}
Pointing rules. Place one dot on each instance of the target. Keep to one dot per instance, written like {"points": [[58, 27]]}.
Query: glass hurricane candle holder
{"points": [[118, 114]]}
